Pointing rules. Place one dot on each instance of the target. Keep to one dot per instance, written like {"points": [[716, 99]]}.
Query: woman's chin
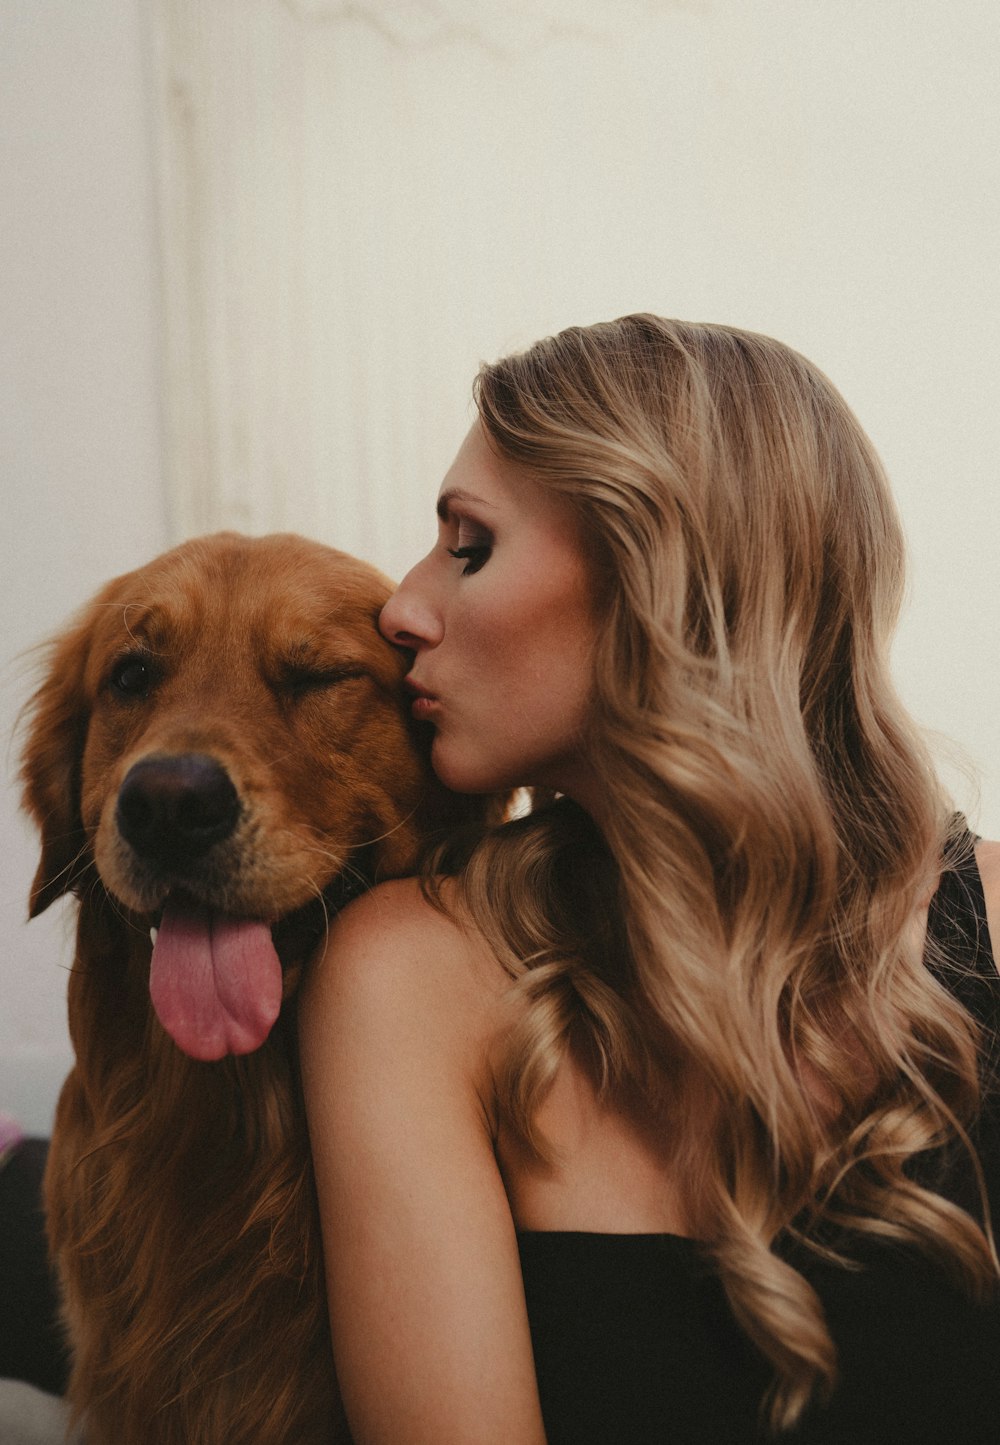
{"points": [[466, 775]]}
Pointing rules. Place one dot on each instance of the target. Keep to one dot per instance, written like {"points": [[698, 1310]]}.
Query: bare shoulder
{"points": [[988, 860], [399, 976], [393, 937], [401, 910]]}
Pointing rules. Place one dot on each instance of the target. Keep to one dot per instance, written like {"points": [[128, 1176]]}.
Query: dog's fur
{"points": [[179, 1193]]}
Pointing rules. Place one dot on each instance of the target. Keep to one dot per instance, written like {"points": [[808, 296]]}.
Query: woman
{"points": [[650, 1112]]}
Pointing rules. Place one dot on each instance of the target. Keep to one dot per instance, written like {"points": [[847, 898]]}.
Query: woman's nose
{"points": [[409, 618]]}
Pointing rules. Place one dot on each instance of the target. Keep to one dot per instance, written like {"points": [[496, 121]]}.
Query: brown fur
{"points": [[179, 1194]]}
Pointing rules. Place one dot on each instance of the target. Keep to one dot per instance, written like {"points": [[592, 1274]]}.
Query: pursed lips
{"points": [[424, 701]]}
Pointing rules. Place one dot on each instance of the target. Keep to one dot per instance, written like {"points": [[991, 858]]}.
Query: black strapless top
{"points": [[634, 1342]]}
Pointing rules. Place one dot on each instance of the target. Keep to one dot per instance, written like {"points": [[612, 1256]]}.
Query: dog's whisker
{"points": [[69, 870], [389, 832], [142, 643], [117, 907]]}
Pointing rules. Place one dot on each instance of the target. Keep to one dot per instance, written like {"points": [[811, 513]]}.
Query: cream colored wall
{"points": [[359, 201], [362, 200], [80, 435]]}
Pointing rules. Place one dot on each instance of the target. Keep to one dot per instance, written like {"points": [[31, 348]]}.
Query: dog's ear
{"points": [[56, 720]]}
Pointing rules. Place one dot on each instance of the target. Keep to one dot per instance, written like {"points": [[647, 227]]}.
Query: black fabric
{"points": [[31, 1341], [634, 1342]]}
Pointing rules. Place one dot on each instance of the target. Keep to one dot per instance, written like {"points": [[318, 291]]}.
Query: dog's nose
{"points": [[172, 809]]}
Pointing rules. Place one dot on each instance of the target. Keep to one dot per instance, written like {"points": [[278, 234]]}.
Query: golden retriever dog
{"points": [[218, 758]]}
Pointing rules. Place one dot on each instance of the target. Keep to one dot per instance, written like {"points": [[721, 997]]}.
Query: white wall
{"points": [[359, 201], [80, 447], [362, 200]]}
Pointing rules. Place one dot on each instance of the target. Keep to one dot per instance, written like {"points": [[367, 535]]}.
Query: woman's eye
{"points": [[475, 556], [474, 547]]}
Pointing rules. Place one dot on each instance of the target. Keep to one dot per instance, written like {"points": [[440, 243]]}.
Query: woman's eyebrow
{"points": [[455, 494]]}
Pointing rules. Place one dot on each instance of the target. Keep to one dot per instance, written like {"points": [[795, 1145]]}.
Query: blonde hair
{"points": [[744, 923]]}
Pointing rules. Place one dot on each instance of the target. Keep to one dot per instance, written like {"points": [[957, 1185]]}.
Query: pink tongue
{"points": [[215, 982]]}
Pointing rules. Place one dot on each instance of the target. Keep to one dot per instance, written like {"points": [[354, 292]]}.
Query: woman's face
{"points": [[500, 617]]}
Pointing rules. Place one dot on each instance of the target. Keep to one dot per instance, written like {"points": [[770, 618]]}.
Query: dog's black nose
{"points": [[172, 809]]}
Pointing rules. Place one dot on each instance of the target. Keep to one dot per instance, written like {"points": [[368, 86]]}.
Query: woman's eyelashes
{"points": [[474, 548]]}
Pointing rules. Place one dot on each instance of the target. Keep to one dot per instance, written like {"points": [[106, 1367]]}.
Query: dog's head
{"points": [[221, 736]]}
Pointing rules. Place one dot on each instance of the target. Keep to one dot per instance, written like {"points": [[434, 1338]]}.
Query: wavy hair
{"points": [[739, 938]]}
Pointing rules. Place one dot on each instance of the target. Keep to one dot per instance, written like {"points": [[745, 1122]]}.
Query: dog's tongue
{"points": [[215, 982]]}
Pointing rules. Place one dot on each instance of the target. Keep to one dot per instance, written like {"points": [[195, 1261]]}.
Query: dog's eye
{"points": [[132, 676]]}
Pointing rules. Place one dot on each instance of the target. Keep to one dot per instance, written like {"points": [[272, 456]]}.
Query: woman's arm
{"points": [[427, 1308]]}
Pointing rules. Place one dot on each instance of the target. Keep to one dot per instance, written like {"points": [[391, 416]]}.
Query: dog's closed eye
{"points": [[296, 679]]}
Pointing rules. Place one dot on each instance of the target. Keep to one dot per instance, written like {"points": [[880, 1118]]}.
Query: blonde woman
{"points": [[660, 1114]]}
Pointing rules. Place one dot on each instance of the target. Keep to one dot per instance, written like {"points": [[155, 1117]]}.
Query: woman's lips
{"points": [[424, 702]]}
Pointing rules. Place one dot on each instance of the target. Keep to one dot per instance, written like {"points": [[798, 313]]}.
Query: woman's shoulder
{"points": [[399, 909], [397, 927], [401, 976]]}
